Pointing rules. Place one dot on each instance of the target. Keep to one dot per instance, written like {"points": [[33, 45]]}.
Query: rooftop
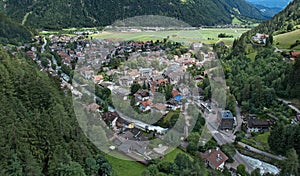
{"points": [[226, 114], [215, 156]]}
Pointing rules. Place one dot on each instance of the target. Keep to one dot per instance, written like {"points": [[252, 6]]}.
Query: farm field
{"points": [[207, 35], [284, 41]]}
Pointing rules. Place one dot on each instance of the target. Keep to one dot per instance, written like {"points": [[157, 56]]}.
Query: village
{"points": [[148, 77]]}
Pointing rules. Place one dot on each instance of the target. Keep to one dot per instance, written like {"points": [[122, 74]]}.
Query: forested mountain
{"points": [[255, 73], [64, 14], [271, 3], [39, 132], [13, 32], [268, 11]]}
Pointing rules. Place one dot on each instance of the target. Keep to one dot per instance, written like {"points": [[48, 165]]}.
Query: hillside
{"points": [[285, 21], [39, 131], [268, 12], [255, 73], [64, 14], [271, 3], [12, 32]]}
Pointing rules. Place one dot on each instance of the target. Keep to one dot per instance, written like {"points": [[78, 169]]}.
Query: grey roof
{"points": [[139, 147], [226, 114]]}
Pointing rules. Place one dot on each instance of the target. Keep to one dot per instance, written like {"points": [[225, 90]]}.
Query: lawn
{"points": [[284, 41], [207, 35], [125, 167], [170, 157], [259, 141], [262, 139]]}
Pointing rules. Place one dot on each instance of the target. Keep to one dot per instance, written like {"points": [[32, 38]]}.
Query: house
{"points": [[173, 104], [98, 79], [215, 159], [297, 118], [260, 38], [146, 72], [176, 95], [110, 117], [126, 81], [142, 95], [130, 146], [145, 105], [93, 107], [258, 125], [295, 55], [225, 119], [160, 107]]}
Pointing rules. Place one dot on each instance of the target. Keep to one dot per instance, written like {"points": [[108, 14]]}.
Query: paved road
{"points": [[238, 118], [290, 105], [240, 160], [255, 150]]}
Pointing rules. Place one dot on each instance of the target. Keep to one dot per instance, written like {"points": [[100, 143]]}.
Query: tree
{"points": [[241, 169], [144, 87], [276, 139], [183, 162], [256, 172], [291, 164], [91, 166], [134, 88], [72, 169], [15, 166], [105, 169]]}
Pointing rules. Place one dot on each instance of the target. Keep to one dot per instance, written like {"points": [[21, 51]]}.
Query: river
{"points": [[264, 167]]}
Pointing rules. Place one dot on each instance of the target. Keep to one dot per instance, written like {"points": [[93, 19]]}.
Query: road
{"points": [[289, 104], [44, 45], [238, 159], [239, 119], [255, 150]]}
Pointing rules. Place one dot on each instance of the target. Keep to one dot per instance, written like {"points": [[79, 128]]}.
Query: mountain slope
{"points": [[257, 74], [63, 13], [12, 32], [268, 11], [39, 131], [271, 3]]}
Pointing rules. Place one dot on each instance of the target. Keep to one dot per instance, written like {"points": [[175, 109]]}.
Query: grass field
{"points": [[209, 35], [125, 167], [170, 157], [260, 141], [284, 41]]}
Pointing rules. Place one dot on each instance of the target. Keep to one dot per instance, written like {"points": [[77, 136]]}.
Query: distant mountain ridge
{"points": [[271, 3], [268, 11], [57, 14]]}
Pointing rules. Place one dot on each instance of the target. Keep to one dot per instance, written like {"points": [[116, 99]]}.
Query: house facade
{"points": [[225, 119], [258, 125]]}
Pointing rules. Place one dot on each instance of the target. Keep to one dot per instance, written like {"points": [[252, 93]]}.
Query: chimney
{"points": [[209, 151], [219, 155], [217, 148]]}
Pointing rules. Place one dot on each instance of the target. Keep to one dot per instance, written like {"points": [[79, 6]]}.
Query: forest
{"points": [[39, 132], [12, 32], [59, 14]]}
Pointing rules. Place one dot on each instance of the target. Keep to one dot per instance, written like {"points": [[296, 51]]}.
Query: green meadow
{"points": [[207, 35], [284, 41]]}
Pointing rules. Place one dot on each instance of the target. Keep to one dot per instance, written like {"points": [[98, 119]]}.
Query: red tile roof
{"points": [[175, 93], [215, 157], [295, 54]]}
